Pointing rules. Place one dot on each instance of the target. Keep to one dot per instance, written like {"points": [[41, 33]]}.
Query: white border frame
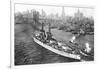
{"points": [[38, 66]]}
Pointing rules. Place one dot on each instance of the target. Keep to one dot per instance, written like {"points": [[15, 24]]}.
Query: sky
{"points": [[69, 11]]}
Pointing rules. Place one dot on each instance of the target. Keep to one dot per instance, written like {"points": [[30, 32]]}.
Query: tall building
{"points": [[43, 14], [78, 14], [63, 16], [63, 13]]}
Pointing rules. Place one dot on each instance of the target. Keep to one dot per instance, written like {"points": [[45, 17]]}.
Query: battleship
{"points": [[69, 49]]}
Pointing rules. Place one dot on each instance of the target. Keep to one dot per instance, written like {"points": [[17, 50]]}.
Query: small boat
{"points": [[62, 53]]}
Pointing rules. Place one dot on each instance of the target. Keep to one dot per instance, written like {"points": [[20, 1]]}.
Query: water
{"points": [[29, 52], [61, 35]]}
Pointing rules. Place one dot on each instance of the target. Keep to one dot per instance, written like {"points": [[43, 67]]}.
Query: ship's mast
{"points": [[49, 28], [42, 27]]}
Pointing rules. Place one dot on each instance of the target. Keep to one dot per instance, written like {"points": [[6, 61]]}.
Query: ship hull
{"points": [[57, 51]]}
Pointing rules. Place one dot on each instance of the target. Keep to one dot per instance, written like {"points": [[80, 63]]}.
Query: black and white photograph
{"points": [[47, 34]]}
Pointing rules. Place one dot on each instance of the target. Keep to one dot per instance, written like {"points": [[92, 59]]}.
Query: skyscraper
{"points": [[79, 14], [43, 13], [63, 13]]}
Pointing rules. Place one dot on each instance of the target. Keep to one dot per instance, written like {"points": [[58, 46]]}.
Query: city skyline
{"points": [[68, 11]]}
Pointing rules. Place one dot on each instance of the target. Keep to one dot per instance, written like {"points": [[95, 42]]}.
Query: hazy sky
{"points": [[53, 9]]}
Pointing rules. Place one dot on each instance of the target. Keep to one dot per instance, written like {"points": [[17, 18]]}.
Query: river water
{"points": [[29, 52]]}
